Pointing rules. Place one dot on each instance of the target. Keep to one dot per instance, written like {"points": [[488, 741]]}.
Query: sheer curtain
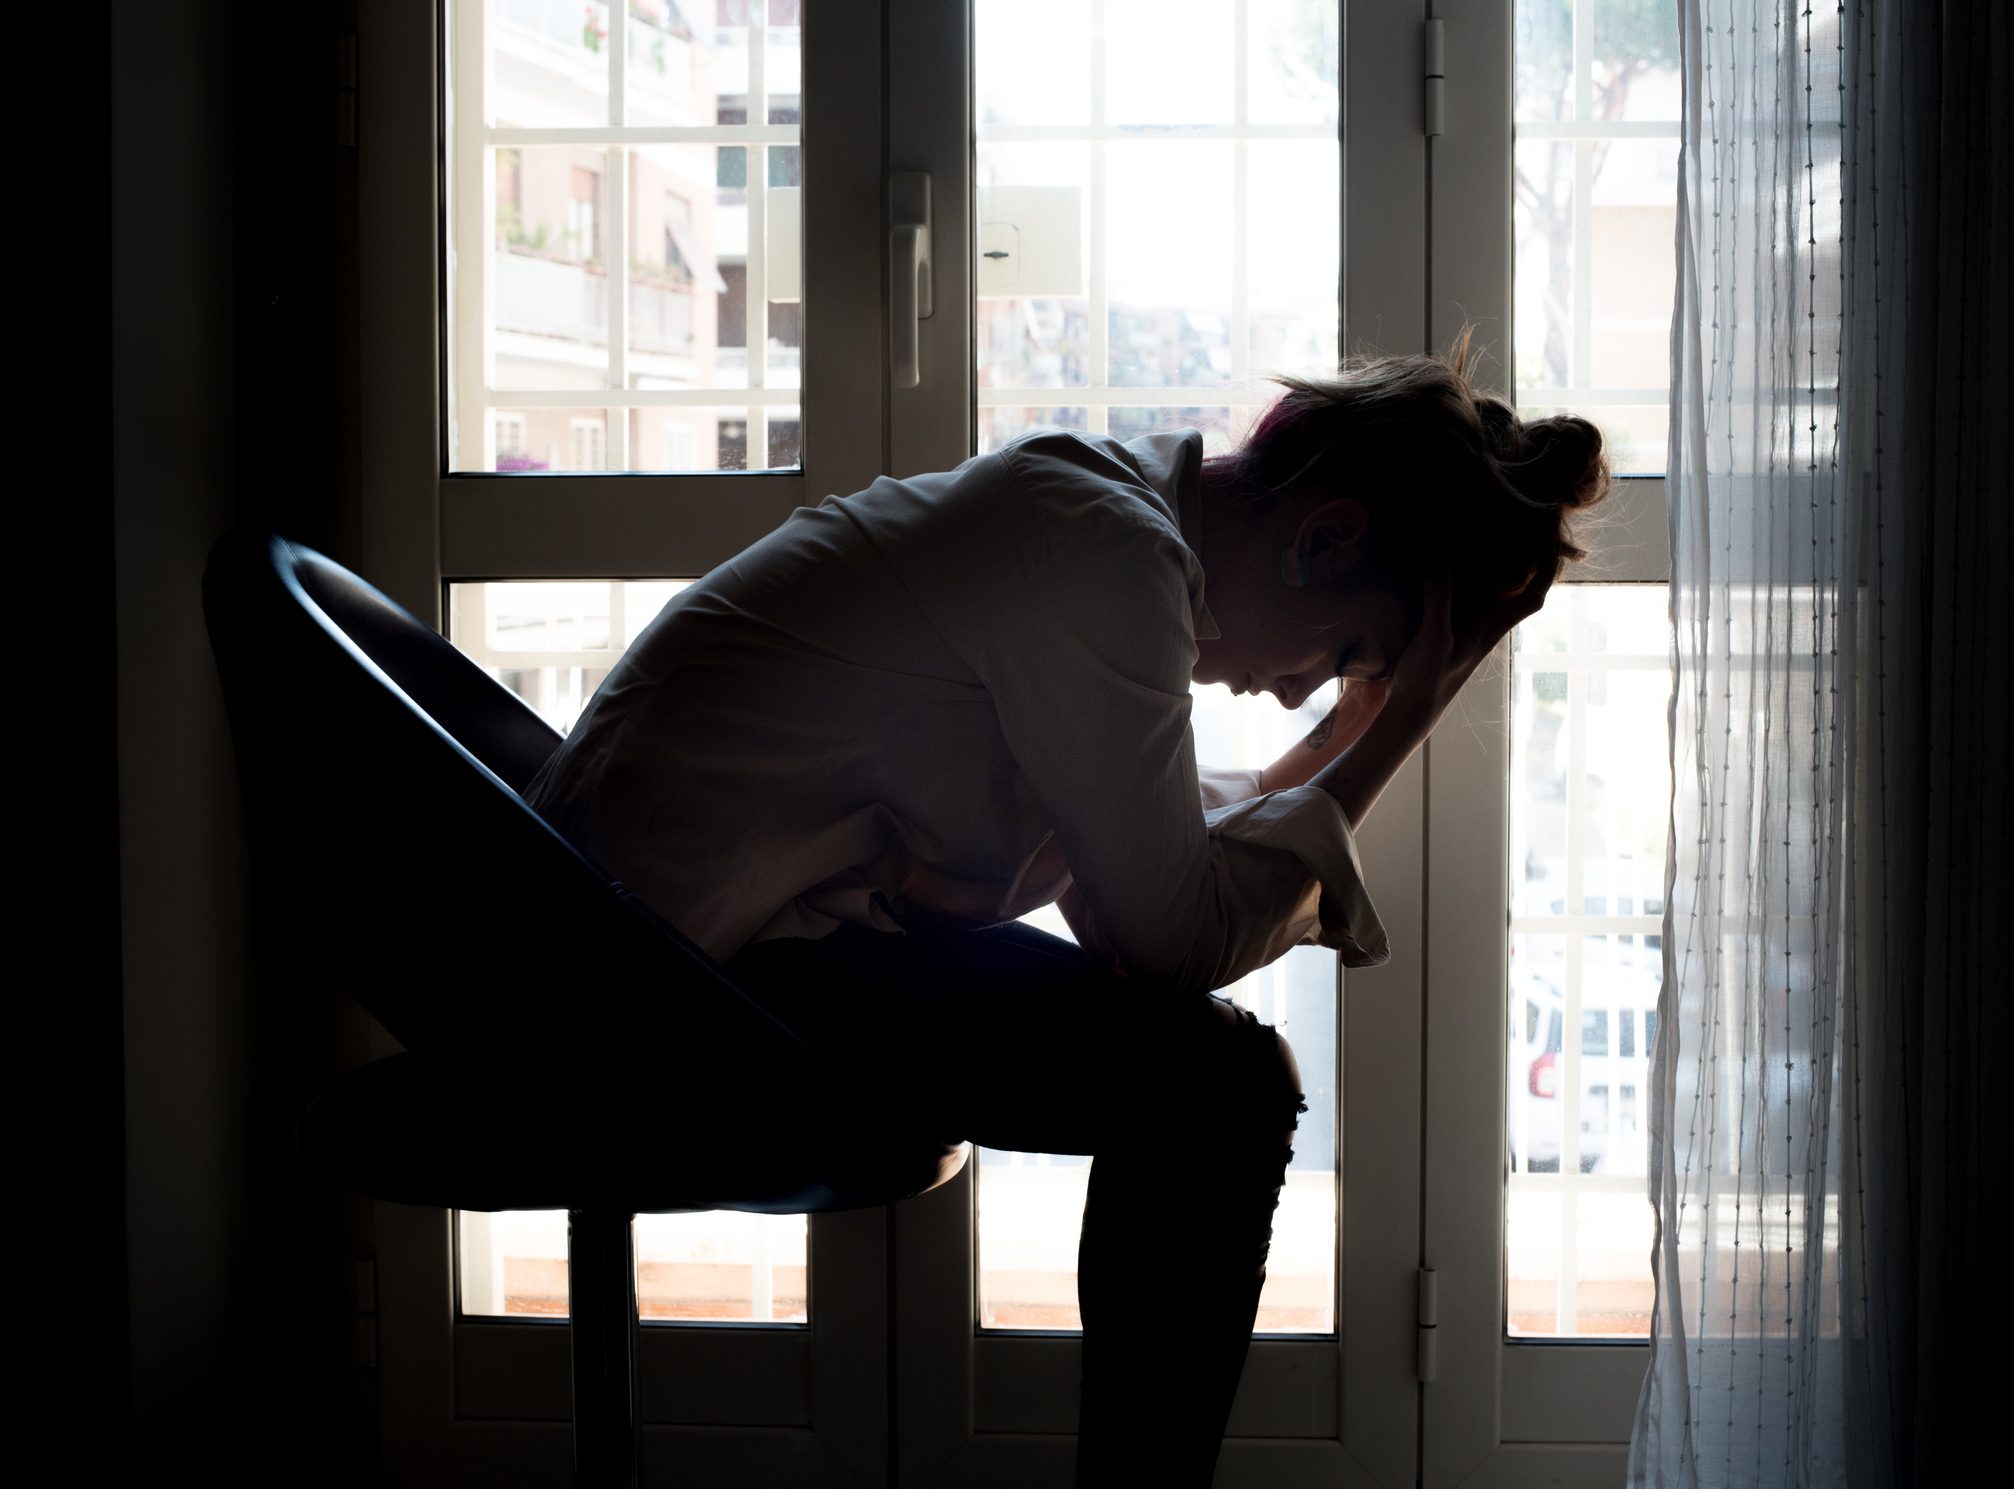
{"points": [[1829, 1114]]}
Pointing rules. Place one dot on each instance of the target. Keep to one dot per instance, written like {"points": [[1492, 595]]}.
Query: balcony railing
{"points": [[573, 34], [660, 319], [547, 297]]}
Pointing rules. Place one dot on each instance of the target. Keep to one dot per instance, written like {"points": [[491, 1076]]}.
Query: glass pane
{"points": [[552, 642], [1034, 340], [1635, 217], [1545, 59], [1036, 70], [1097, 281], [549, 60], [1543, 235], [1294, 203], [1635, 72], [533, 439], [1170, 315], [1166, 61], [1595, 216], [1293, 51], [1590, 793], [712, 1268], [1095, 272], [702, 240]]}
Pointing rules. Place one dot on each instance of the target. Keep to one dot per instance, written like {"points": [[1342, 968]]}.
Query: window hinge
{"points": [[346, 91], [1436, 49], [1428, 1320]]}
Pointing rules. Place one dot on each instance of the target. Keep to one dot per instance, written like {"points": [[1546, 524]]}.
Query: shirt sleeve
{"points": [[1223, 787], [1089, 673]]}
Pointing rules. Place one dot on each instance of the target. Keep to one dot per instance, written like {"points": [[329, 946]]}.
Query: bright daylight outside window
{"points": [[1596, 160], [1596, 215], [1096, 120], [624, 221]]}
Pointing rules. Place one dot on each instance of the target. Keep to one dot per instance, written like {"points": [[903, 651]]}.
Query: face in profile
{"points": [[1307, 599]]}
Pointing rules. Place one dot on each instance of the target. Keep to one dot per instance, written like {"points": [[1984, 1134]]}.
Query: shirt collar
{"points": [[1172, 462]]}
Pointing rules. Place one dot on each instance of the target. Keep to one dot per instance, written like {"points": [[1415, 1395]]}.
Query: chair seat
{"points": [[419, 1132]]}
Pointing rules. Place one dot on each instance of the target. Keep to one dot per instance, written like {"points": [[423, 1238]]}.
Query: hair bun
{"points": [[1557, 461]]}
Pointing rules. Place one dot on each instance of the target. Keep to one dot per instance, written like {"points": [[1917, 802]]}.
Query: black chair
{"points": [[380, 770]]}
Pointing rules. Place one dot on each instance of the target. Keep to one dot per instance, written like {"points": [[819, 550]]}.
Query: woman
{"points": [[844, 761]]}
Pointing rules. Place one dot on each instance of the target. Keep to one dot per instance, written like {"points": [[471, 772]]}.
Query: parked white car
{"points": [[1618, 1022]]}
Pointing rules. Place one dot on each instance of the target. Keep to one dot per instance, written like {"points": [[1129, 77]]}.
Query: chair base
{"points": [[601, 1309]]}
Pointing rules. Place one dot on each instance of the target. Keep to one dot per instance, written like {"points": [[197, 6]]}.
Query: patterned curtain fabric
{"points": [[1829, 1115]]}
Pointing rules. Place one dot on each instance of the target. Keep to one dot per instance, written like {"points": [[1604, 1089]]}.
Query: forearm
{"points": [[1324, 743], [1342, 726], [1359, 774]]}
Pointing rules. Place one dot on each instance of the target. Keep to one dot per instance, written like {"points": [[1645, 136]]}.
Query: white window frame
{"points": [[1497, 1410]]}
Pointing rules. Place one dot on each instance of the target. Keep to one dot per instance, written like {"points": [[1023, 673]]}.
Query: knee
{"points": [[1278, 1075], [1267, 1076]]}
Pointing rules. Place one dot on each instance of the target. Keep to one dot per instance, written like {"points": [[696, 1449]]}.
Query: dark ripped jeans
{"points": [[1015, 1039]]}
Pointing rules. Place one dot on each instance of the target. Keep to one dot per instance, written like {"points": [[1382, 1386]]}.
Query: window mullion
{"points": [[616, 454], [472, 440], [1241, 348], [1099, 373], [757, 308]]}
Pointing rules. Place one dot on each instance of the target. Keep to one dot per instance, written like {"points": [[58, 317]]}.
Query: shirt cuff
{"points": [[1224, 788], [1308, 823]]}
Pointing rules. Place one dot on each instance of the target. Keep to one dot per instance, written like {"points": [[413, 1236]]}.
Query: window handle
{"points": [[909, 298]]}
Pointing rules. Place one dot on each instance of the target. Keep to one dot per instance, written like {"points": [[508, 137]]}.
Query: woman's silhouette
{"points": [[847, 759]]}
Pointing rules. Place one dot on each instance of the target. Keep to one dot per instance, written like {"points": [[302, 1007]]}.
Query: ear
{"points": [[1328, 543]]}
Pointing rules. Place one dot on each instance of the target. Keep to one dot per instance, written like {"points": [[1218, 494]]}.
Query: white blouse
{"points": [[950, 696]]}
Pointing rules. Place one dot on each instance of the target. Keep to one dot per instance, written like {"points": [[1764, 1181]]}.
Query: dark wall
{"points": [[229, 211]]}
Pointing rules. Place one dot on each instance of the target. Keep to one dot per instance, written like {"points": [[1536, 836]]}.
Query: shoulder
{"points": [[1137, 476]]}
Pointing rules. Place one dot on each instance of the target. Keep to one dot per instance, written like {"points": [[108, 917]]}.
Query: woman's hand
{"points": [[1439, 661]]}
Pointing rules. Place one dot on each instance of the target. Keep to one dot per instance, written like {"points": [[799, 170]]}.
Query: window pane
{"points": [[1037, 70], [552, 642], [550, 61], [1095, 271], [604, 276], [1598, 93], [1099, 286], [1166, 62], [1590, 792], [1293, 54]]}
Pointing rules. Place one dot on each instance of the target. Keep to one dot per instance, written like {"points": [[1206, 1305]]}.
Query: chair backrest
{"points": [[380, 770]]}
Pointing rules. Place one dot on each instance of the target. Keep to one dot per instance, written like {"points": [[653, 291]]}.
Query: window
{"points": [[1596, 169], [599, 373], [591, 280], [1098, 127]]}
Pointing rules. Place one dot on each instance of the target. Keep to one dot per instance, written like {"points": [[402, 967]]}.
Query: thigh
{"points": [[1014, 1038]]}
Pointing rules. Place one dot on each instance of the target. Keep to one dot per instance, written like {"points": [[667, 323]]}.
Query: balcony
{"points": [[660, 319], [550, 297], [556, 51]]}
